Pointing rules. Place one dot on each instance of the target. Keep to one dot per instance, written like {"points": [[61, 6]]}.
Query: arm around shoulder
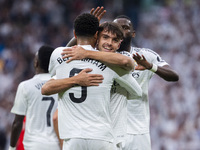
{"points": [[123, 61]]}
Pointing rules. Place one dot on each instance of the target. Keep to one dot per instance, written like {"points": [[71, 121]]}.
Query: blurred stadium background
{"points": [[169, 27]]}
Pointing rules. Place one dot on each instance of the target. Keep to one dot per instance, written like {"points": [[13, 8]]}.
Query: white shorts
{"points": [[137, 142], [42, 146], [87, 144]]}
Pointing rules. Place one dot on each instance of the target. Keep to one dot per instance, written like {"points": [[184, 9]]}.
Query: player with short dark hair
{"points": [[38, 109], [149, 63], [44, 54], [112, 28], [83, 28]]}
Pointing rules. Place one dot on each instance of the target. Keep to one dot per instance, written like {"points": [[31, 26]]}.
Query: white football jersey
{"points": [[37, 108], [84, 112], [119, 96], [138, 109]]}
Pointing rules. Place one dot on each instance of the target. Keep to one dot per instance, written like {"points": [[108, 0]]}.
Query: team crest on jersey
{"points": [[136, 49], [135, 74]]}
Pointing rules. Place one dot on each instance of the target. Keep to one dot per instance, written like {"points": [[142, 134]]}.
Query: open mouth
{"points": [[106, 48]]}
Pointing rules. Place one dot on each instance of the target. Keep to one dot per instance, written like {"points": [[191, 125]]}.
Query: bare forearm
{"points": [[54, 86], [16, 130], [112, 58], [59, 85], [167, 74]]}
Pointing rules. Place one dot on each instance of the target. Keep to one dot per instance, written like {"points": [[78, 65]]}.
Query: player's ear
{"points": [[74, 34], [120, 43], [133, 34], [96, 35], [36, 63]]}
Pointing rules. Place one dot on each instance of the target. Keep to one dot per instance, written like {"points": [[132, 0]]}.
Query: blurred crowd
{"points": [[173, 31], [170, 28]]}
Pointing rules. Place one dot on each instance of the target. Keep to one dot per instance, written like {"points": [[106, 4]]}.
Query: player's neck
{"points": [[88, 41], [39, 71], [125, 46]]}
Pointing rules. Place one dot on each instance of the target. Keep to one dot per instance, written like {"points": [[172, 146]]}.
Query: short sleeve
{"points": [[20, 103], [52, 69], [55, 60], [154, 57]]}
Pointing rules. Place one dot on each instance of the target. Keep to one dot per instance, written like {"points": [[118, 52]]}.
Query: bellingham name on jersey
{"points": [[99, 64]]}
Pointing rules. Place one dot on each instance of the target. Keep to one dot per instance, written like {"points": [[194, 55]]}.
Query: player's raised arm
{"points": [[165, 72], [99, 12]]}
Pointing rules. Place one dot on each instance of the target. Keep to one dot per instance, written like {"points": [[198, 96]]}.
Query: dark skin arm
{"points": [[16, 129], [165, 72]]}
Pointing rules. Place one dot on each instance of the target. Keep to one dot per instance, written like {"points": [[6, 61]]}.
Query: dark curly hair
{"points": [[112, 27], [44, 54], [86, 25]]}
